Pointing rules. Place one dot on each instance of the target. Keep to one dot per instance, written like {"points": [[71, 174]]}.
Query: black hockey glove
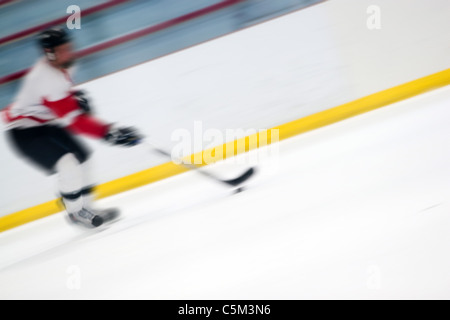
{"points": [[127, 137], [83, 101]]}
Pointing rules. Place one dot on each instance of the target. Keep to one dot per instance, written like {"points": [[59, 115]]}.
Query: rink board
{"points": [[287, 130], [331, 70]]}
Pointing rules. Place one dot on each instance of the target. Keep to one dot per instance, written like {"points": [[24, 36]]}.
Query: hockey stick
{"points": [[232, 182]]}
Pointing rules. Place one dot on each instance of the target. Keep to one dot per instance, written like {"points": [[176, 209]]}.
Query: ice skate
{"points": [[86, 218], [107, 215]]}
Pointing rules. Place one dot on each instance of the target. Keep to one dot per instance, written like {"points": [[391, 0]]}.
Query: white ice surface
{"points": [[358, 209]]}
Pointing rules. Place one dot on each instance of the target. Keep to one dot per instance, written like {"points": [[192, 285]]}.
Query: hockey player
{"points": [[44, 119]]}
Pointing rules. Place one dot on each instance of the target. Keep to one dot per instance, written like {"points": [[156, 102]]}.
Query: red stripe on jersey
{"points": [[83, 124], [62, 107], [8, 118], [90, 126]]}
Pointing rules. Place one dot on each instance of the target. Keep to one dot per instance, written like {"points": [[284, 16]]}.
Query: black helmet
{"points": [[54, 37]]}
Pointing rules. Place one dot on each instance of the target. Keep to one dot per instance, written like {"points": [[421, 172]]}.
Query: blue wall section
{"points": [[123, 19]]}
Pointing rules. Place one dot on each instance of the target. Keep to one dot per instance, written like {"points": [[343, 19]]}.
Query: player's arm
{"points": [[77, 120]]}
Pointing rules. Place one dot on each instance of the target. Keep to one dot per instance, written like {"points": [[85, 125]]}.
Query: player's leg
{"points": [[89, 196], [53, 149], [70, 182], [74, 170]]}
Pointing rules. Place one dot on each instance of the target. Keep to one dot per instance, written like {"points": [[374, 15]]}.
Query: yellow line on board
{"points": [[287, 130], [365, 104], [29, 215]]}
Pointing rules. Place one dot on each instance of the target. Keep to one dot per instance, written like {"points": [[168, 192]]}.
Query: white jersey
{"points": [[44, 83]]}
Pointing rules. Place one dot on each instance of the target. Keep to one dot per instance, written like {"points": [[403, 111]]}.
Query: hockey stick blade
{"points": [[232, 182], [242, 178]]}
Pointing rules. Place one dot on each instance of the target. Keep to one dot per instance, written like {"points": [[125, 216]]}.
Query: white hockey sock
{"points": [[88, 185], [70, 180]]}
